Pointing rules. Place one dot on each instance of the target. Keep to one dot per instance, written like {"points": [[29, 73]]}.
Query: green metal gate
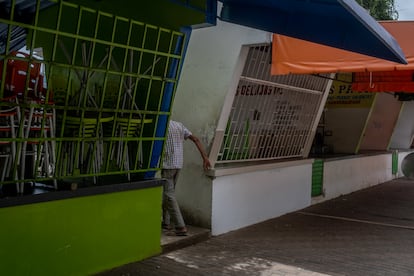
{"points": [[86, 97]]}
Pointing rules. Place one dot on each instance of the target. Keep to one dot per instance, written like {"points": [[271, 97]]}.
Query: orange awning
{"points": [[291, 55]]}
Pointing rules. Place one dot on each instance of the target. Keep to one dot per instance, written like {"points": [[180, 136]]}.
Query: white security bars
{"points": [[272, 117]]}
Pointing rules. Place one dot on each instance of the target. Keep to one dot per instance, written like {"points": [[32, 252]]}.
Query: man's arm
{"points": [[206, 162]]}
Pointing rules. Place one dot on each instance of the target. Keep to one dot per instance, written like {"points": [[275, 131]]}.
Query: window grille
{"points": [[272, 117], [94, 113]]}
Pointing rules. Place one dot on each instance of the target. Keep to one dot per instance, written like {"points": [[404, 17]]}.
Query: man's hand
{"points": [[206, 161], [206, 164]]}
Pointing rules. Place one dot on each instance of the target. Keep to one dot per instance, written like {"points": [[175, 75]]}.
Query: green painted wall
{"points": [[80, 236]]}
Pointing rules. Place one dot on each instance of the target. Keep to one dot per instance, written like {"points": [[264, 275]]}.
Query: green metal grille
{"points": [[317, 177], [97, 104], [394, 168]]}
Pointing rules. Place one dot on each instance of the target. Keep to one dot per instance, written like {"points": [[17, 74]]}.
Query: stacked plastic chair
{"points": [[9, 155], [83, 156], [37, 125], [126, 129]]}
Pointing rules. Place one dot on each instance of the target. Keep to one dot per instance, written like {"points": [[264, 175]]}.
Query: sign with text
{"points": [[342, 96]]}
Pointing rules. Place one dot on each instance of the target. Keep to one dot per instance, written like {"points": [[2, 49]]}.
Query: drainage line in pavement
{"points": [[357, 220]]}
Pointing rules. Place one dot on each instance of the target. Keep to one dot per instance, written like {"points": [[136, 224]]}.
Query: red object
{"points": [[386, 81], [17, 71]]}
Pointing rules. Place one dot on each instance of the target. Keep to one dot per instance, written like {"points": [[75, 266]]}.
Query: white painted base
{"points": [[249, 197], [243, 199]]}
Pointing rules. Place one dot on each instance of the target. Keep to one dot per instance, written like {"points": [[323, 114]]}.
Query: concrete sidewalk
{"points": [[171, 242], [369, 232]]}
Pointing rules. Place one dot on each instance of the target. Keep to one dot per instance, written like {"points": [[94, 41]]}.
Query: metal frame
{"points": [[268, 117], [93, 71]]}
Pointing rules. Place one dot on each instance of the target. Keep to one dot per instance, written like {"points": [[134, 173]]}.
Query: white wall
{"points": [[244, 199], [381, 123], [206, 76], [347, 175], [404, 130], [345, 126], [230, 202]]}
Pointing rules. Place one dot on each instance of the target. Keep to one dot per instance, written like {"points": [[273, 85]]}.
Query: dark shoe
{"points": [[181, 231], [167, 227]]}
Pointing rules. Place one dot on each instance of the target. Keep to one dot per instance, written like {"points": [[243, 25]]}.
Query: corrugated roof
{"points": [[24, 11]]}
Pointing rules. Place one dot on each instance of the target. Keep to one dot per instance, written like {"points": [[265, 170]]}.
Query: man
{"points": [[172, 164]]}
